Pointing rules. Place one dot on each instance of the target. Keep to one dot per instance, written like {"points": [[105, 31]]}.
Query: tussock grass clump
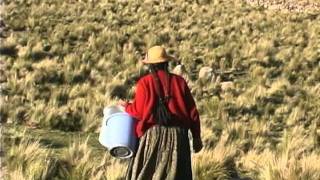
{"points": [[8, 47], [27, 160], [287, 161], [78, 161], [269, 166], [217, 163]]}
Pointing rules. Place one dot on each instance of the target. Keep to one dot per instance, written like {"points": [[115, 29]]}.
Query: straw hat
{"points": [[157, 54]]}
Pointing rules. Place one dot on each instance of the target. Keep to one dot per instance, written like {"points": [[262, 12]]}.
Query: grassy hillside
{"points": [[63, 61], [290, 5]]}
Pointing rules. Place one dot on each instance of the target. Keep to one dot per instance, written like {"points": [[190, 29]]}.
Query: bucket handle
{"points": [[107, 119]]}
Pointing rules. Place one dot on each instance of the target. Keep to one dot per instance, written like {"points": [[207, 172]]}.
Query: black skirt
{"points": [[163, 154]]}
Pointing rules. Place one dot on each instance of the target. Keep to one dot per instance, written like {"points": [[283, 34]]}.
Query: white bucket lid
{"points": [[108, 111]]}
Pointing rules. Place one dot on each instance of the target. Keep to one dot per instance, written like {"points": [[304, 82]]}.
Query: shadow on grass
{"points": [[49, 143], [51, 139]]}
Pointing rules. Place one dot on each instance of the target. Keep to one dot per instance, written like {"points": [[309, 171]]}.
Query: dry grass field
{"points": [[289, 5], [62, 61]]}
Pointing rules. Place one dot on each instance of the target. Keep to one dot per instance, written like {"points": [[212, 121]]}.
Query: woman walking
{"points": [[164, 110]]}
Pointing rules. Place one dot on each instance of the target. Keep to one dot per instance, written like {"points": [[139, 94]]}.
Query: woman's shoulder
{"points": [[144, 79], [178, 78], [148, 77]]}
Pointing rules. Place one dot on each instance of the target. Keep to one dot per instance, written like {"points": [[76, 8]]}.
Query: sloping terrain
{"points": [[291, 5], [63, 61]]}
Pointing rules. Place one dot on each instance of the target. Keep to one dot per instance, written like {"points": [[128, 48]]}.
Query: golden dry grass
{"points": [[62, 62]]}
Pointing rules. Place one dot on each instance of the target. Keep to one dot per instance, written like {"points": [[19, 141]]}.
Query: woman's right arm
{"points": [[135, 108]]}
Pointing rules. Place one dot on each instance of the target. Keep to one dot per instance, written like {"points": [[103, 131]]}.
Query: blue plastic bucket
{"points": [[117, 133]]}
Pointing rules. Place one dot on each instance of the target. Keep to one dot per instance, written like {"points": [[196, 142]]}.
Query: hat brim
{"points": [[165, 59]]}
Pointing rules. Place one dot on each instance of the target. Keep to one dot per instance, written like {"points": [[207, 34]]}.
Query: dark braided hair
{"points": [[160, 109], [159, 66]]}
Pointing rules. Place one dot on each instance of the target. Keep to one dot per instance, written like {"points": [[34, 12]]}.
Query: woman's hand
{"points": [[122, 103], [197, 144]]}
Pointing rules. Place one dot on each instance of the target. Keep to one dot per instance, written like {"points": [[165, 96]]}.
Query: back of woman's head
{"points": [[158, 66]]}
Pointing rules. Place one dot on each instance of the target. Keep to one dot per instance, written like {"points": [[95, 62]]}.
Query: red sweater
{"points": [[181, 104]]}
